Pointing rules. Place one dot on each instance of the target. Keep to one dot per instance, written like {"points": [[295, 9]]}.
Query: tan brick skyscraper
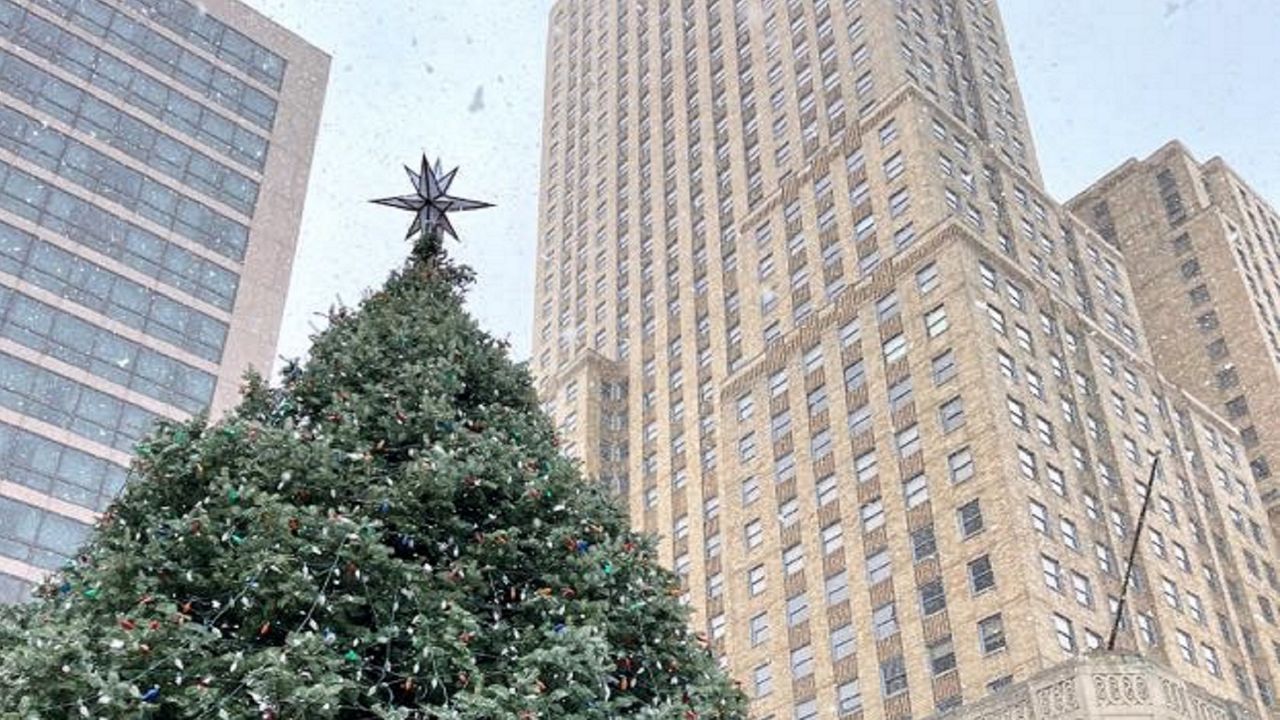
{"points": [[802, 300], [1208, 250]]}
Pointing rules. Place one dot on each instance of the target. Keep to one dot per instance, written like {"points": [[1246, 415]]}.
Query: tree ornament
{"points": [[152, 695], [431, 201]]}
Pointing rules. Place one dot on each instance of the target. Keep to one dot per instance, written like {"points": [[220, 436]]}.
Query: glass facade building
{"points": [[153, 161]]}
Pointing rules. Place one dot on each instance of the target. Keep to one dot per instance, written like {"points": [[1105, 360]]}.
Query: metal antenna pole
{"points": [[1133, 551]]}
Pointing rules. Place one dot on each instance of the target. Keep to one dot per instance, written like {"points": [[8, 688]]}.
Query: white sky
{"points": [[1104, 80]]}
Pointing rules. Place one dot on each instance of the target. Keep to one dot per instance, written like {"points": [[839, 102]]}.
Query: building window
{"points": [[988, 275], [1106, 565], [935, 321], [924, 544], [1185, 647], [884, 621], [951, 414], [933, 599], [837, 588], [900, 394], [848, 698], [879, 567], [759, 628], [842, 642], [1023, 338], [997, 319], [960, 465], [916, 490], [1044, 430], [895, 348], [1147, 628], [1065, 633], [927, 278], [899, 202], [1195, 608], [802, 662], [793, 559], [1017, 413], [1051, 569], [1210, 658], [944, 367], [1070, 536], [1169, 591], [855, 375], [981, 576], [908, 441], [1035, 384], [1082, 589], [970, 518], [763, 679], [893, 676], [827, 489], [832, 538], [991, 634], [887, 307], [865, 466], [797, 609], [1039, 517]]}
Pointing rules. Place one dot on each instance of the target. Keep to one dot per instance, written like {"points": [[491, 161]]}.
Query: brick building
{"points": [[890, 407], [1206, 248]]}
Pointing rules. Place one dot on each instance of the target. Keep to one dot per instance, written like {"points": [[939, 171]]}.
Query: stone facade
{"points": [[1205, 246], [1123, 687], [889, 407]]}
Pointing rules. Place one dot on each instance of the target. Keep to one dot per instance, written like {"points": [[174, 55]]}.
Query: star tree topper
{"points": [[431, 200]]}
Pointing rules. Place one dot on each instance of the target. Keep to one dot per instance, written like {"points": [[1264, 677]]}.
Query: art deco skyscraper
{"points": [[154, 157], [1208, 250], [802, 300]]}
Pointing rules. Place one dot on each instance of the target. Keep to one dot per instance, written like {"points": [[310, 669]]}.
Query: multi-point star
{"points": [[431, 200]]}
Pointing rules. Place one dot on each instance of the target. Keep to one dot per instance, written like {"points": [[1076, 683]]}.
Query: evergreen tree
{"points": [[390, 534]]}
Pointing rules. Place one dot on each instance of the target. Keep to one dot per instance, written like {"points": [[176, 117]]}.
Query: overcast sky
{"points": [[1104, 80]]}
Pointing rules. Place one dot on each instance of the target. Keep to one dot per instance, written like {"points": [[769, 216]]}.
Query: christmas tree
{"points": [[391, 533]]}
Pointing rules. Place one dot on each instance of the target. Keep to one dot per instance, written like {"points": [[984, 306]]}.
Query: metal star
{"points": [[431, 200]]}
